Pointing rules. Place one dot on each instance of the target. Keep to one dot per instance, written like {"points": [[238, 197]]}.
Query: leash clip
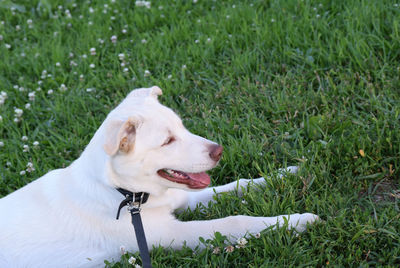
{"points": [[134, 206]]}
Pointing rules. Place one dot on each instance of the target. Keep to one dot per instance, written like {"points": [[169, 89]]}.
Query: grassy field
{"points": [[307, 83]]}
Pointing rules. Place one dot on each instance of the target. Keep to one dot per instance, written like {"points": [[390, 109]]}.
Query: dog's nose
{"points": [[216, 152]]}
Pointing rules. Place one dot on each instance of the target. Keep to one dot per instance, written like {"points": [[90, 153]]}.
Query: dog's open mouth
{"points": [[192, 180]]}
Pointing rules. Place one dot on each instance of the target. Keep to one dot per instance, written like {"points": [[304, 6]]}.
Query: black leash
{"points": [[134, 201]]}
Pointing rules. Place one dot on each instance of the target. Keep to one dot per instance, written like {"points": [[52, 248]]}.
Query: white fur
{"points": [[67, 217]]}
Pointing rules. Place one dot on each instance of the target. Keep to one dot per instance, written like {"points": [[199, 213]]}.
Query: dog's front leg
{"points": [[206, 195], [235, 227]]}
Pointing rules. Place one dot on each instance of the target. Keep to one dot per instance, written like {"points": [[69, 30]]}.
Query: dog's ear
{"points": [[120, 136], [154, 92]]}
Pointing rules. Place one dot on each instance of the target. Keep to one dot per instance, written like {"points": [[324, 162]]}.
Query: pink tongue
{"points": [[200, 177]]}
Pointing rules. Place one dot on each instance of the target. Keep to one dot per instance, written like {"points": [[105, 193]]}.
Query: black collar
{"points": [[136, 198]]}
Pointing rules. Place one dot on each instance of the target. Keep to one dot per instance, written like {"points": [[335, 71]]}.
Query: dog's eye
{"points": [[168, 141]]}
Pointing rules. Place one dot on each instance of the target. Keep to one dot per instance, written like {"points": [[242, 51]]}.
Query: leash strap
{"points": [[134, 201], [141, 238]]}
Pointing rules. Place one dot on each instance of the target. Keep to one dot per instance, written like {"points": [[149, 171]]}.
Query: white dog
{"points": [[67, 217]]}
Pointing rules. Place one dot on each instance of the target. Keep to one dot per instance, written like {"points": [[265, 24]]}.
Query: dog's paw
{"points": [[304, 219], [290, 169]]}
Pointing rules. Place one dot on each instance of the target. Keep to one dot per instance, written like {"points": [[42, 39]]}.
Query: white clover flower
{"points": [[147, 73], [122, 64], [101, 41], [31, 96], [35, 144], [318, 16], [73, 63], [229, 249], [1, 143], [91, 10], [68, 14], [195, 1], [1, 37], [272, 20], [124, 31], [126, 70], [144, 41], [24, 138], [71, 55], [169, 76], [8, 164], [21, 89], [84, 56], [241, 242], [23, 54], [138, 266], [216, 250], [92, 65], [50, 91], [18, 112], [90, 23], [121, 56], [89, 89], [257, 235], [1, 118], [160, 7], [3, 97], [22, 173], [26, 148], [112, 18], [8, 46], [132, 260], [16, 120], [184, 67], [114, 39], [208, 40], [17, 27], [63, 87], [27, 106], [197, 41], [29, 167], [93, 51], [146, 4]]}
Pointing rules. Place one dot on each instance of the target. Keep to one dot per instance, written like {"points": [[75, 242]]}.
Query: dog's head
{"points": [[149, 149]]}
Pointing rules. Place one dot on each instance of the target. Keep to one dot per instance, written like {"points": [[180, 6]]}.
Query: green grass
{"points": [[307, 83]]}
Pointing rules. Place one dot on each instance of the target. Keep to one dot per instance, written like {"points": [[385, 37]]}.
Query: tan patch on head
{"points": [[127, 143]]}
